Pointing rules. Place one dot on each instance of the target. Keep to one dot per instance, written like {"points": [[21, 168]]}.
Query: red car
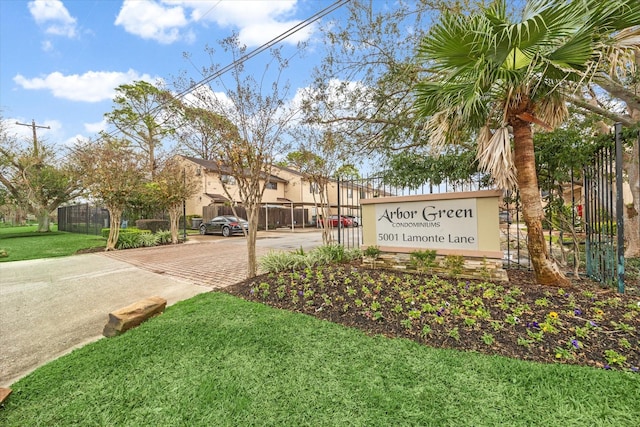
{"points": [[334, 222]]}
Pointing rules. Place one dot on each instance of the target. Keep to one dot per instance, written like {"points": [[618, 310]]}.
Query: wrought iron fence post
{"points": [[619, 208]]}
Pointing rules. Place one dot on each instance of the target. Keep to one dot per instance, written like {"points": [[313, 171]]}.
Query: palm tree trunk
{"points": [[546, 270]]}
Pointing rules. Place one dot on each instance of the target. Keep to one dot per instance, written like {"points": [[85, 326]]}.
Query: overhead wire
{"points": [[288, 33]]}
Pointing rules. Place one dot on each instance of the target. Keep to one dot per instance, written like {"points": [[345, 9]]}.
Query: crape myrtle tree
{"points": [[175, 181], [488, 73], [318, 157], [34, 177], [256, 121], [143, 113], [112, 173]]}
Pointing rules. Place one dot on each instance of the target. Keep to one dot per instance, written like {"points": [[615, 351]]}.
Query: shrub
{"points": [[275, 262], [153, 225], [105, 231], [372, 252], [423, 260], [128, 241], [164, 237], [147, 239]]}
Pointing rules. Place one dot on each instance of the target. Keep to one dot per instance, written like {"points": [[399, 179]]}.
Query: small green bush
{"points": [[275, 262], [372, 251], [423, 260], [128, 241], [105, 231], [148, 239], [164, 237]]}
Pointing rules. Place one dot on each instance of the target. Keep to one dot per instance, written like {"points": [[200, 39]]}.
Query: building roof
{"points": [[213, 166]]}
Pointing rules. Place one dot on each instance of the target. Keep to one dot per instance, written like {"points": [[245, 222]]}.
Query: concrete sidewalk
{"points": [[49, 307]]}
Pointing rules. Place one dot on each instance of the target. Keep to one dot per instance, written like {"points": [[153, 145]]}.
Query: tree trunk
{"points": [[43, 221], [252, 261], [546, 269], [631, 210], [174, 222], [115, 215]]}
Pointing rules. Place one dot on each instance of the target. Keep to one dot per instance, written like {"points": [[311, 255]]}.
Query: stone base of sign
{"points": [[131, 316], [473, 268]]}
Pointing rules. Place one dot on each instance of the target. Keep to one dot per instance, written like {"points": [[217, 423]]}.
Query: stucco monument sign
{"points": [[464, 223]]}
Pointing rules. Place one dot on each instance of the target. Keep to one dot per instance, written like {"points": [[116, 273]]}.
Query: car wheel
{"points": [[226, 232], [203, 230]]}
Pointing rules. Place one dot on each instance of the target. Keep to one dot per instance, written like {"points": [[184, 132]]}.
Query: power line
{"points": [[267, 45], [301, 25]]}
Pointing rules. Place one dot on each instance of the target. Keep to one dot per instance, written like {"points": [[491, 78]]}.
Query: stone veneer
{"points": [[474, 268]]}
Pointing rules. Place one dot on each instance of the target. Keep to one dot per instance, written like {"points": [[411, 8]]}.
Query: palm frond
{"points": [[552, 109], [497, 159]]}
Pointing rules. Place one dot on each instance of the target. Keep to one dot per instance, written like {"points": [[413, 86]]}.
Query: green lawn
{"points": [[219, 360], [25, 243]]}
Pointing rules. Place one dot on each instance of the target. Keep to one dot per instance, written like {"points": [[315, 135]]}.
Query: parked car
{"points": [[333, 221], [225, 225], [355, 220]]}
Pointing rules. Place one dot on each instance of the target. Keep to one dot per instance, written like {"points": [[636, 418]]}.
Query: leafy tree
{"points": [[34, 178], [174, 183], [619, 76], [201, 132], [111, 173], [142, 112], [318, 158], [363, 87], [412, 169], [490, 74], [252, 133]]}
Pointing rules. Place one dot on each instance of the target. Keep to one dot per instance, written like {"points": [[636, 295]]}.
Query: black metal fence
{"points": [[83, 219], [604, 219]]}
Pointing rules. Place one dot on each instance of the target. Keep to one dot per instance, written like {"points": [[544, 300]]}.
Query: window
{"points": [[271, 186], [228, 179], [314, 188]]}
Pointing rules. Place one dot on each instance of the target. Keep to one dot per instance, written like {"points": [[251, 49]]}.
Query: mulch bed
{"points": [[583, 325]]}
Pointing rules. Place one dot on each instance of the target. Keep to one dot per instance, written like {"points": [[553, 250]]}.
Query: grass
{"points": [[219, 360], [22, 243]]}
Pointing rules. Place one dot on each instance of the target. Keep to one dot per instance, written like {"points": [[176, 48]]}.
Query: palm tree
{"points": [[496, 77]]}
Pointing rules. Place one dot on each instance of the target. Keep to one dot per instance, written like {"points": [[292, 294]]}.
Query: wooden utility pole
{"points": [[35, 136]]}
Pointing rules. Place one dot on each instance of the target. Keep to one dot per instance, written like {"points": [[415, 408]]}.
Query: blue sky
{"points": [[60, 61]]}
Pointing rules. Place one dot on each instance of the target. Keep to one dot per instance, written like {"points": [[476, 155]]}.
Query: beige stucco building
{"points": [[286, 188]]}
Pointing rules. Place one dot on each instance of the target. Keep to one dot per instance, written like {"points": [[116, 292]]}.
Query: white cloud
{"points": [[96, 127], [54, 16], [167, 21], [151, 20], [92, 86], [258, 21]]}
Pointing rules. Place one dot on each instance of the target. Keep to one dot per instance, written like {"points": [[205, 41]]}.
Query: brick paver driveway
{"points": [[213, 261]]}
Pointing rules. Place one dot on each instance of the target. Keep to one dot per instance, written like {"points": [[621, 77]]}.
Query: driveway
{"points": [[51, 306]]}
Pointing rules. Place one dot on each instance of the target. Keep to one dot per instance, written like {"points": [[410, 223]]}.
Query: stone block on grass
{"points": [[132, 315]]}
